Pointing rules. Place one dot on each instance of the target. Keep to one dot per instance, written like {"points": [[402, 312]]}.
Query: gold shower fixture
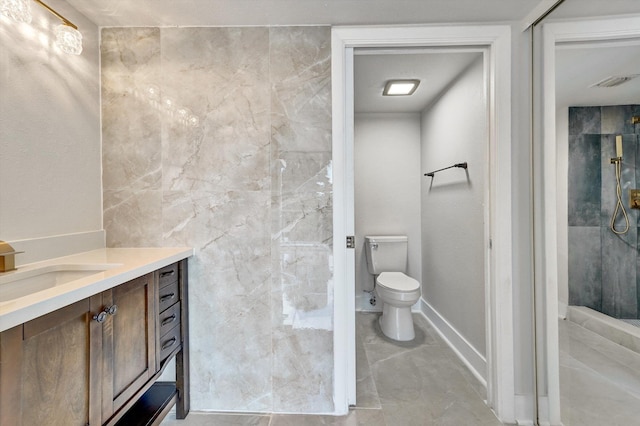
{"points": [[635, 120], [68, 38]]}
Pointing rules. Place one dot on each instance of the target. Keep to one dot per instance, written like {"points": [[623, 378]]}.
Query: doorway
{"points": [[495, 40], [563, 236]]}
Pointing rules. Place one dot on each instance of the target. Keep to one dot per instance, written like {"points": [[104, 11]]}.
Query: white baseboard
{"points": [[39, 249], [524, 410], [473, 359]]}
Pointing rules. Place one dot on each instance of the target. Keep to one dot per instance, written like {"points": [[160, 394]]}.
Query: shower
{"points": [[619, 209], [603, 237]]}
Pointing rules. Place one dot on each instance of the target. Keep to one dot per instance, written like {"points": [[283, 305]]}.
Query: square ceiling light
{"points": [[400, 87]]}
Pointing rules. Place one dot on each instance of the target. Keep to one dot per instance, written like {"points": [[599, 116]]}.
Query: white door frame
{"points": [[499, 301], [548, 363]]}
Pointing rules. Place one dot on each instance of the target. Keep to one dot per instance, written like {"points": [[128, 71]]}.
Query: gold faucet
{"points": [[7, 257]]}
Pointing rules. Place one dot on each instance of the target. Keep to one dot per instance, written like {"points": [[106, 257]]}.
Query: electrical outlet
{"points": [[634, 198]]}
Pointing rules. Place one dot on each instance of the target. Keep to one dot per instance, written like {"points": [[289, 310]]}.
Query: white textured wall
{"points": [[50, 172], [454, 129], [387, 188]]}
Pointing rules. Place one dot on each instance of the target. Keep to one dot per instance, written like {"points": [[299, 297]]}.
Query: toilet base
{"points": [[397, 323]]}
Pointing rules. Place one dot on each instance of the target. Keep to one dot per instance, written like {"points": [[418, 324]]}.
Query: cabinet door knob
{"points": [[111, 310], [101, 317]]}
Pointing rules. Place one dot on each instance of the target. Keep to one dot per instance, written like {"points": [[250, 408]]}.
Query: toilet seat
{"points": [[397, 281]]}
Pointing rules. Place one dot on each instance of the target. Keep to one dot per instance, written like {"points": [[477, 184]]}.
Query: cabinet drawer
{"points": [[168, 295], [169, 318], [168, 275], [169, 342]]}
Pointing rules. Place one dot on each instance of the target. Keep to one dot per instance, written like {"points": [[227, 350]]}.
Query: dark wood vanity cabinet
{"points": [[50, 368], [128, 342], [97, 361]]}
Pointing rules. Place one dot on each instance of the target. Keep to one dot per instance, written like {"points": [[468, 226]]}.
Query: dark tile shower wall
{"points": [[604, 268]]}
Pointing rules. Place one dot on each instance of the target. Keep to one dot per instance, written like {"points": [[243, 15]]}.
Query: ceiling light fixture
{"points": [[400, 87], [614, 81], [68, 38]]}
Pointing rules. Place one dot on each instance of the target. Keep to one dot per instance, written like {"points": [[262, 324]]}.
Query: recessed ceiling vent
{"points": [[614, 81]]}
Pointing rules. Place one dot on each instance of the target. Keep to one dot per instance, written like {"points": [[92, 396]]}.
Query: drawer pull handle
{"points": [[167, 297], [168, 273], [169, 343], [168, 320]]}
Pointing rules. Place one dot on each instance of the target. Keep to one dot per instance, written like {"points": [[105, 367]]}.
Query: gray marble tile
{"points": [[617, 119], [584, 180], [301, 88], [619, 285], [609, 180], [584, 120], [131, 125], [585, 266], [229, 294], [366, 390], [133, 218], [302, 370], [230, 146]]}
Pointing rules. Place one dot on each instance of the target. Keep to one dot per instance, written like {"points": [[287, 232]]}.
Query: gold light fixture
{"points": [[68, 38]]}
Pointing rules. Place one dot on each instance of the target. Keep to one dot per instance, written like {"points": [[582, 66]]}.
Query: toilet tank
{"points": [[386, 253]]}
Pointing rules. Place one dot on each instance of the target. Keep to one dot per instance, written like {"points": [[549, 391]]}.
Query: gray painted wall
{"points": [[387, 189], [454, 130]]}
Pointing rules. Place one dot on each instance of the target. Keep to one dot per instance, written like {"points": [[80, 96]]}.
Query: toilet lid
{"points": [[397, 281]]}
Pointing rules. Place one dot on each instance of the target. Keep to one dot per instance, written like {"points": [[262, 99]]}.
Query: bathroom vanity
{"points": [[96, 359]]}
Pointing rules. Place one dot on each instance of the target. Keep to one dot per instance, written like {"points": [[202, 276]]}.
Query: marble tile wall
{"points": [[220, 139], [604, 269]]}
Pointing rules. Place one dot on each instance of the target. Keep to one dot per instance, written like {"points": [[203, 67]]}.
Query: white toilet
{"points": [[387, 260]]}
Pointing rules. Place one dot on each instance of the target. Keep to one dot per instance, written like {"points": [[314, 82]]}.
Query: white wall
{"points": [[454, 130], [387, 188], [50, 165]]}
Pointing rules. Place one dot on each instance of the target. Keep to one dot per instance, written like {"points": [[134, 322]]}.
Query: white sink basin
{"points": [[14, 285]]}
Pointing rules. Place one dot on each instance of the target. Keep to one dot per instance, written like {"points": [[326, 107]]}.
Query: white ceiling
{"points": [[578, 67], [298, 12], [435, 70], [582, 67]]}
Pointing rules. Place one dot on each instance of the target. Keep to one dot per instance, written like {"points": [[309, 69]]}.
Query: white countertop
{"points": [[125, 264]]}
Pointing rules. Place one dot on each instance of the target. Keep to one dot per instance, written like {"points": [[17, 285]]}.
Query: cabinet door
{"points": [[50, 368], [128, 342]]}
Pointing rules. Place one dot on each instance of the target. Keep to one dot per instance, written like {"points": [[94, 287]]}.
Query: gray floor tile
{"points": [[218, 419], [599, 380], [356, 417], [420, 383]]}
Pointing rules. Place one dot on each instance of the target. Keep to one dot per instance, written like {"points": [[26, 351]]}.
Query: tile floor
{"points": [[398, 384], [599, 379]]}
